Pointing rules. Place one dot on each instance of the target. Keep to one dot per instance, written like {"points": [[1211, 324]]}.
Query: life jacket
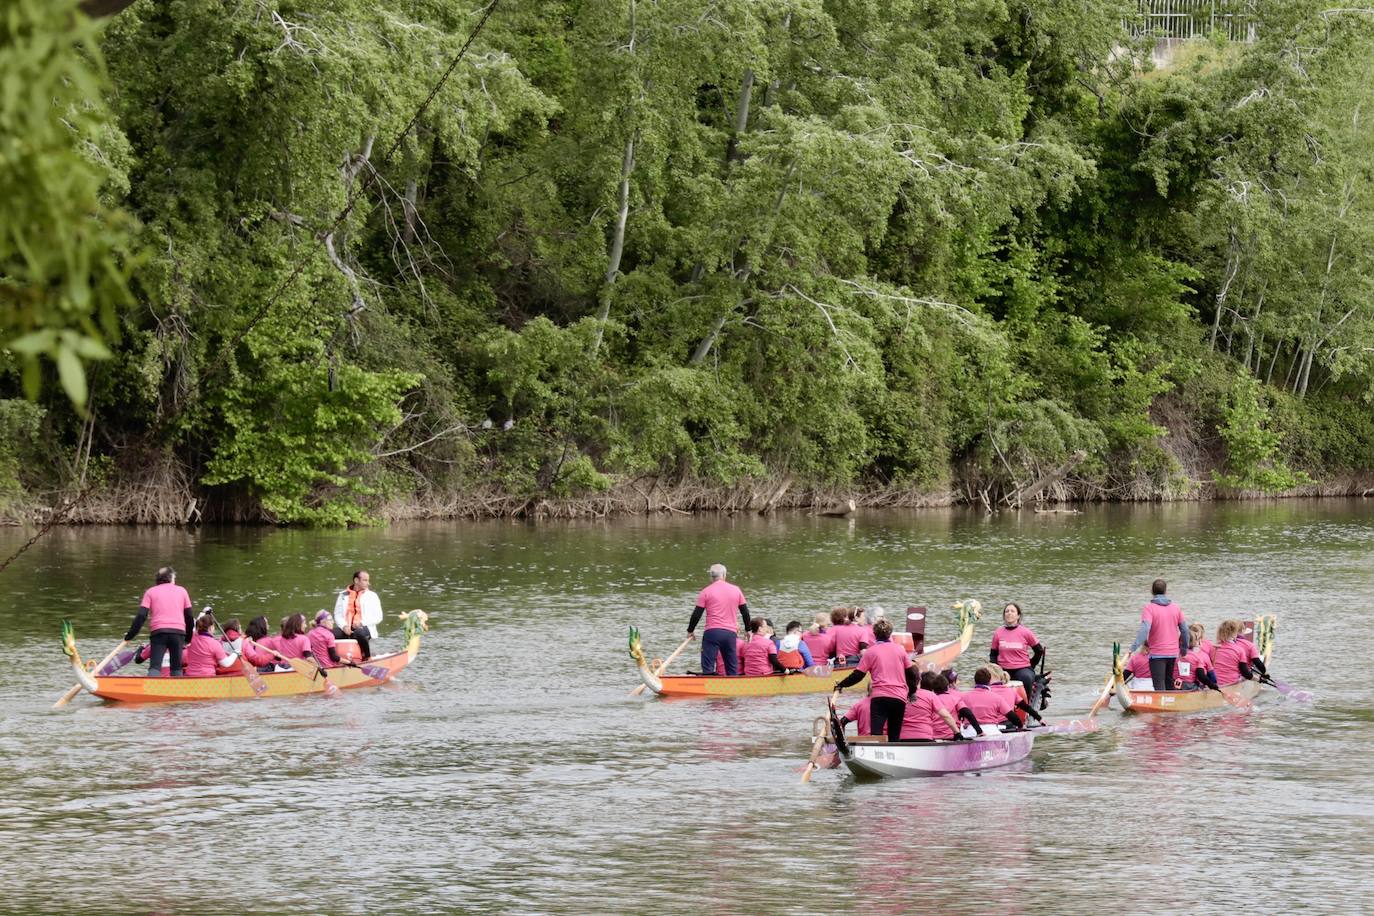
{"points": [[789, 652], [353, 615]]}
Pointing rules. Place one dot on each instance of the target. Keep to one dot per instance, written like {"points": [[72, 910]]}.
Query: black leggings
{"points": [[362, 635], [887, 711], [1162, 672], [168, 642], [1026, 676]]}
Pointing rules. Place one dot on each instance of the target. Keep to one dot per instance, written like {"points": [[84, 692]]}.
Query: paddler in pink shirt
{"points": [[1164, 632], [849, 637], [167, 609], [860, 713], [991, 706], [206, 654], [1232, 660], [946, 726], [893, 680], [323, 642], [818, 639], [1015, 647], [719, 601], [924, 710], [759, 654]]}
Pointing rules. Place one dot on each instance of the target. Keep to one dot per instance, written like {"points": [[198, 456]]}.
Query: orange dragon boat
{"points": [[126, 688], [1240, 695], [816, 679]]}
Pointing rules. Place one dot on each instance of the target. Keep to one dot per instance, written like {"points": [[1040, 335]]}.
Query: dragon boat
{"points": [[126, 688], [1241, 695], [816, 679], [873, 756]]}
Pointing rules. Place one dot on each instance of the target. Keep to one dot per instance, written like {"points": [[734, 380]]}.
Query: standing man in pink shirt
{"points": [[1164, 631], [167, 609], [718, 601]]}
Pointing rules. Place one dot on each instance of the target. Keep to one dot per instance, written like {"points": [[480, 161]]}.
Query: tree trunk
{"points": [[1233, 265], [1020, 494], [603, 311], [746, 90]]}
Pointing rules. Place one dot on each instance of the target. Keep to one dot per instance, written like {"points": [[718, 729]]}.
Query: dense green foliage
{"points": [[893, 244]]}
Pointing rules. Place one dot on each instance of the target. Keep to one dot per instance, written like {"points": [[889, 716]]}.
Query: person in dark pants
{"points": [[718, 601], [167, 609], [1015, 647], [1165, 632], [894, 679]]}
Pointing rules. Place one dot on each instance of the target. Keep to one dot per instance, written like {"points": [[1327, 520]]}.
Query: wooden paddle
{"points": [[664, 667], [818, 730], [76, 688], [255, 681], [1106, 694], [301, 666]]}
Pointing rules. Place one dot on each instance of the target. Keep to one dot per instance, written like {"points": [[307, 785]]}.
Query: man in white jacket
{"points": [[357, 613]]}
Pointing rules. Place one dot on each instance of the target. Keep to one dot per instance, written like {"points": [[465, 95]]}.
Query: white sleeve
{"points": [[229, 660], [340, 608], [371, 610]]}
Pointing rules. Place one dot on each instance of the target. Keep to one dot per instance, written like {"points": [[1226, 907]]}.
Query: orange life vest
{"points": [[352, 614], [791, 659]]}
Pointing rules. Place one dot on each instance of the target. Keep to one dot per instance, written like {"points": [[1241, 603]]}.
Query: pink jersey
{"points": [[868, 636], [847, 638], [951, 701], [295, 647], [1207, 647], [1013, 646], [256, 652], [203, 655], [1164, 621], [721, 600], [859, 713], [166, 605], [1138, 665], [753, 654], [886, 664], [321, 641], [1226, 661], [1187, 668], [821, 645], [919, 721], [988, 705]]}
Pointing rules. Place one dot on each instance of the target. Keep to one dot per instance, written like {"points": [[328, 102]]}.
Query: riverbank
{"points": [[181, 504]]}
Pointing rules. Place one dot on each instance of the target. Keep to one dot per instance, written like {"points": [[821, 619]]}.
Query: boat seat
{"points": [[348, 649]]}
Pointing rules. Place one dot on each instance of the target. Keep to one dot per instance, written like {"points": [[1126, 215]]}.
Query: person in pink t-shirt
{"points": [[818, 639], [952, 703], [167, 608], [1164, 632], [893, 680], [1015, 648], [1232, 660], [1136, 665], [991, 706], [323, 641], [206, 653], [759, 654], [293, 643], [256, 642], [719, 601], [848, 636], [859, 713]]}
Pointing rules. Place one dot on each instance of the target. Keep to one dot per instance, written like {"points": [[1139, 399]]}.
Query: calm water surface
{"points": [[509, 770]]}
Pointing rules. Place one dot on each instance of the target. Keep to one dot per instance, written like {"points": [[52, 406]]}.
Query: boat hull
{"points": [[142, 689], [1171, 701], [883, 760], [774, 685]]}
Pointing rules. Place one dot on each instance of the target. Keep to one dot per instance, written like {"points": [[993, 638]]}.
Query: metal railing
{"points": [[1184, 19]]}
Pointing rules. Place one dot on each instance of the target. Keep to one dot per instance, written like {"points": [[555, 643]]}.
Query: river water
{"points": [[508, 770]]}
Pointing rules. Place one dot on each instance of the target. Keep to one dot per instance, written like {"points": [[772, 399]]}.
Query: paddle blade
{"points": [[255, 681], [1067, 727], [1291, 692], [377, 672], [119, 661], [818, 671]]}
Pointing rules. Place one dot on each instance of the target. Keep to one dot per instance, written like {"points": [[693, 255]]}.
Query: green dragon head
{"points": [[68, 639], [968, 608], [417, 622], [636, 650], [1117, 660]]}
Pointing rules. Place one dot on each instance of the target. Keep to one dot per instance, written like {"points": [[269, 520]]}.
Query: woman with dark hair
{"points": [[293, 643], [255, 646], [1015, 647], [206, 653], [950, 707]]}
